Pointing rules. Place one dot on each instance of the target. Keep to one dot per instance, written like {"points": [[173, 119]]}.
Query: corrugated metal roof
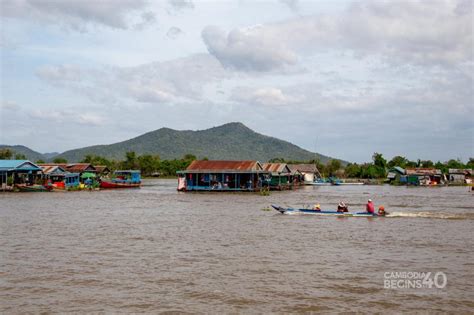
{"points": [[460, 171], [304, 168], [101, 168], [220, 166], [276, 168], [48, 169], [80, 167], [423, 171], [8, 165]]}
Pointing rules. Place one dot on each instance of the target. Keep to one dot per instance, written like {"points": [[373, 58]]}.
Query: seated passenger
{"points": [[341, 207], [317, 207], [381, 211], [370, 207]]}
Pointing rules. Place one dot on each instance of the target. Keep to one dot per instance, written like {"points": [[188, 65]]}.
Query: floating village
{"points": [[204, 175]]}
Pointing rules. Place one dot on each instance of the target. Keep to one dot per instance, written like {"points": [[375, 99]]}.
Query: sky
{"points": [[342, 78]]}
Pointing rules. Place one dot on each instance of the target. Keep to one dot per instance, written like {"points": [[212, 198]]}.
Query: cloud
{"points": [[292, 4], [154, 83], [266, 96], [179, 5], [250, 49], [415, 32], [67, 116], [10, 106], [77, 15], [174, 32]]}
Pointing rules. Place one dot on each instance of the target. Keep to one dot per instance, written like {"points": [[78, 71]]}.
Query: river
{"points": [[157, 250]]}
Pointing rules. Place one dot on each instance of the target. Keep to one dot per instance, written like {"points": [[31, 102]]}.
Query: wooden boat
{"points": [[123, 179], [288, 210], [33, 188]]}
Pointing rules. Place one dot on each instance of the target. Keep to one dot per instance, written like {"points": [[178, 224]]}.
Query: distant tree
{"points": [[426, 163], [59, 160], [353, 170], [6, 154], [397, 161], [454, 164], [40, 162], [411, 164], [148, 164], [131, 161], [379, 160], [332, 167], [97, 160], [19, 156], [441, 166], [470, 163], [189, 157], [276, 160]]}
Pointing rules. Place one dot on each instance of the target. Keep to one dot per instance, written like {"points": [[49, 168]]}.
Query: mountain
{"points": [[21, 149], [232, 141], [50, 155]]}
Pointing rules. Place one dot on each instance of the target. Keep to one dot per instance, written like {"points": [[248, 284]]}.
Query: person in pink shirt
{"points": [[370, 207]]}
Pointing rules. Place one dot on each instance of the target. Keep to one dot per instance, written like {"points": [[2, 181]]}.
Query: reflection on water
{"points": [[155, 249]]}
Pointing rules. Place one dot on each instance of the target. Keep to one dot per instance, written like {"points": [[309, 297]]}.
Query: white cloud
{"points": [[78, 15], [267, 96], [247, 49], [416, 32]]}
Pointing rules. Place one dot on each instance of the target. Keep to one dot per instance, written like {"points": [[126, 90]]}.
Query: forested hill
{"points": [[232, 141], [19, 152]]}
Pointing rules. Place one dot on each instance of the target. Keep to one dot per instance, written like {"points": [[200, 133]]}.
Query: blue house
{"points": [[14, 172]]}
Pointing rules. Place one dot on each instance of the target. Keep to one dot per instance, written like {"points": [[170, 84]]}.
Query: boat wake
{"points": [[432, 215]]}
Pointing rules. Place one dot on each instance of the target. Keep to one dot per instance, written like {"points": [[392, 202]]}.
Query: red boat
{"points": [[123, 179], [111, 184]]}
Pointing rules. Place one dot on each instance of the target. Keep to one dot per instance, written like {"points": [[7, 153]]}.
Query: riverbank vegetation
{"points": [[153, 165]]}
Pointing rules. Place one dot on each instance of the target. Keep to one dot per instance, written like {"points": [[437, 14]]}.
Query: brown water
{"points": [[156, 250]]}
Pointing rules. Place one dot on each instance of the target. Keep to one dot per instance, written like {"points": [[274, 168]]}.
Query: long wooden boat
{"points": [[111, 184], [123, 179], [288, 210], [33, 188]]}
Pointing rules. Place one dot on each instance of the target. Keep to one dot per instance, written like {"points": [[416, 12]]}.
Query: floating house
{"points": [[424, 176], [281, 176], [459, 176], [60, 178], [309, 172], [102, 170], [15, 172], [81, 168], [223, 176], [396, 174]]}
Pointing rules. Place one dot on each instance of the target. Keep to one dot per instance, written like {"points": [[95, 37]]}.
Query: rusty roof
{"points": [[48, 169], [225, 166], [80, 167], [101, 168], [276, 168], [423, 171], [303, 168]]}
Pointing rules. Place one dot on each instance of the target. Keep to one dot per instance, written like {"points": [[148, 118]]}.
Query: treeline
{"points": [[379, 166], [150, 164]]}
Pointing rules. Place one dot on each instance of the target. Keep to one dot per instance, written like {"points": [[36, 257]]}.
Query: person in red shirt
{"points": [[370, 207]]}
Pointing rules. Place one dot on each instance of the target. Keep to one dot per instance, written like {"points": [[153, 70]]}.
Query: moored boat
{"points": [[123, 179], [33, 188]]}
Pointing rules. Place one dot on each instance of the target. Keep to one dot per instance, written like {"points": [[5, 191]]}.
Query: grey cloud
{"points": [[155, 83], [247, 49], [76, 15], [292, 4], [179, 5], [419, 33], [174, 32]]}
